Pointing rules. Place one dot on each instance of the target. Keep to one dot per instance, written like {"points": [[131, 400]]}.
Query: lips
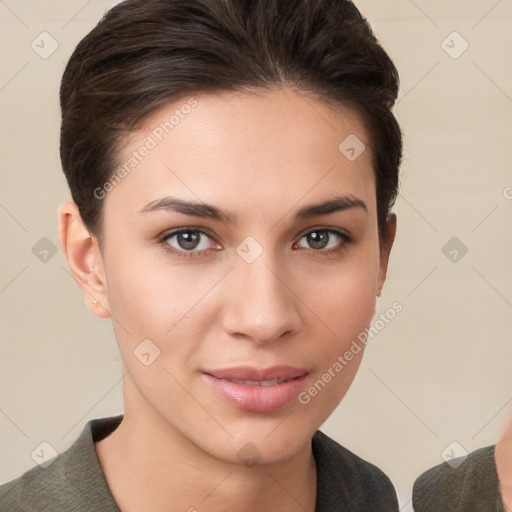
{"points": [[259, 382], [249, 373], [257, 390]]}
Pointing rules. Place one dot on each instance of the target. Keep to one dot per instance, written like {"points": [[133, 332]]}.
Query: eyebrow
{"points": [[173, 204]]}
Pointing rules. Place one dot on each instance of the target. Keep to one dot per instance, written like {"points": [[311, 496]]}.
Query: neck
{"points": [[151, 466]]}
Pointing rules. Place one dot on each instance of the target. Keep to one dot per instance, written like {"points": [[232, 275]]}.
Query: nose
{"points": [[261, 304]]}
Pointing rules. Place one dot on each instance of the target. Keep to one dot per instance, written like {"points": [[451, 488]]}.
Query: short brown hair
{"points": [[146, 53]]}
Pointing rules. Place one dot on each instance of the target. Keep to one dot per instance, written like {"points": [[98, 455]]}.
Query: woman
{"points": [[480, 481], [233, 165]]}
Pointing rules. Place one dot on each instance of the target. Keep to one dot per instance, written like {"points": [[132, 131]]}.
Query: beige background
{"points": [[440, 372]]}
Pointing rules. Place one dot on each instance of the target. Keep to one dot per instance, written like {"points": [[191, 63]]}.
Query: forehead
{"points": [[280, 115], [257, 146]]}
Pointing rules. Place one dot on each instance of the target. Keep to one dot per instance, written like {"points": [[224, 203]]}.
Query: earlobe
{"points": [[84, 259]]}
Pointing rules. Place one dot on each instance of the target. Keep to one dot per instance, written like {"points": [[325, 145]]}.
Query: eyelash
{"points": [[162, 239]]}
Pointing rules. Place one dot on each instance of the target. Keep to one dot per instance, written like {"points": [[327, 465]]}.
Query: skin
{"points": [[503, 458], [262, 157]]}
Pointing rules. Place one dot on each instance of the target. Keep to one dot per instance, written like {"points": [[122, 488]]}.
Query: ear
{"points": [[387, 244], [82, 254]]}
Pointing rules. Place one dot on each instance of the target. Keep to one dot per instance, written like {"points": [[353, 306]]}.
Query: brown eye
{"points": [[187, 241], [321, 239], [317, 239]]}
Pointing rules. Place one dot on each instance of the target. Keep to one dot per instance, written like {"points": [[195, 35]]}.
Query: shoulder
{"points": [[464, 482], [36, 487], [71, 481], [357, 483]]}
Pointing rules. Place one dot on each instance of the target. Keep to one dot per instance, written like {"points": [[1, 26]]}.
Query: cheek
{"points": [[345, 309], [348, 314], [345, 298], [348, 300], [157, 300], [143, 299]]}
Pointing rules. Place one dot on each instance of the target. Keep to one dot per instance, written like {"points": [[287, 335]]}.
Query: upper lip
{"points": [[257, 374]]}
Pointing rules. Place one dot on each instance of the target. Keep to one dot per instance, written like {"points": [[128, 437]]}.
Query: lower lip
{"points": [[257, 398]]}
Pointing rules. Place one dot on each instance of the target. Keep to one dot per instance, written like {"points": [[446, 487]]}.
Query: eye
{"points": [[193, 242], [325, 240], [186, 242]]}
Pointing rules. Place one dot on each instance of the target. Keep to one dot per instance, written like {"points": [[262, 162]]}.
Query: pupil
{"points": [[316, 240], [188, 239]]}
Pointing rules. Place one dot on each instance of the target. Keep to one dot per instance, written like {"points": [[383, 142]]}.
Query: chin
{"points": [[273, 443]]}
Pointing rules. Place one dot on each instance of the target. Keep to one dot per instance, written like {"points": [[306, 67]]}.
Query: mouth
{"points": [[254, 376], [258, 382], [257, 390]]}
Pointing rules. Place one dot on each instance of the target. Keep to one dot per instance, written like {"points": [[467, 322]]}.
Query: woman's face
{"points": [[241, 273]]}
